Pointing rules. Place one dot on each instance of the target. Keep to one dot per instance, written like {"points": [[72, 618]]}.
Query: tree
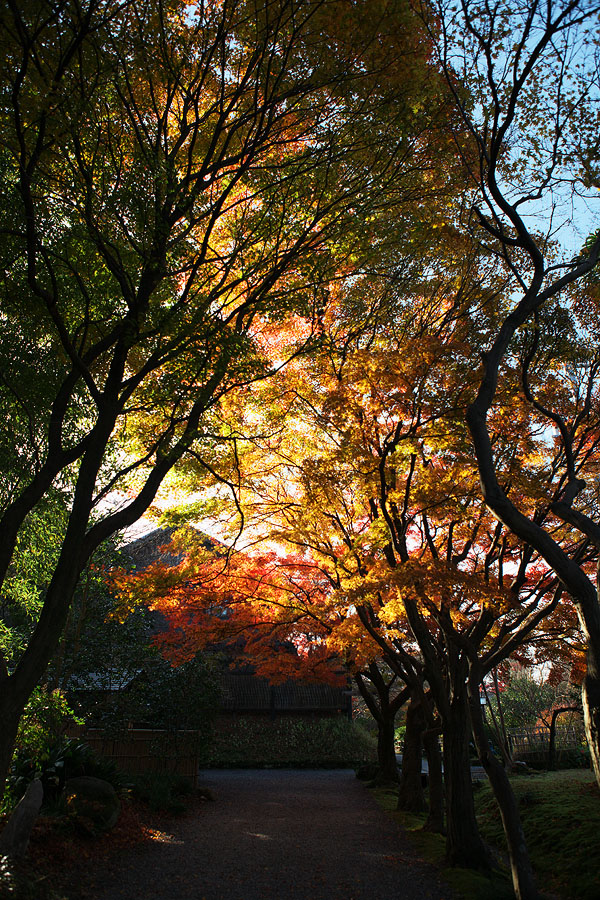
{"points": [[522, 700], [319, 487], [383, 703], [536, 59], [388, 503], [178, 183], [385, 511]]}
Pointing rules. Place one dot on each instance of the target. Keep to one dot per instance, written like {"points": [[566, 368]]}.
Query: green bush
{"points": [[161, 792], [285, 741], [39, 744], [66, 758]]}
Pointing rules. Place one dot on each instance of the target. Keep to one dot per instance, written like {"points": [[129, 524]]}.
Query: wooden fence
{"points": [[142, 750], [537, 740]]}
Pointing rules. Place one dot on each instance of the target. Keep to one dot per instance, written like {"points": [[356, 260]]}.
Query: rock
{"points": [[91, 802], [15, 835]]}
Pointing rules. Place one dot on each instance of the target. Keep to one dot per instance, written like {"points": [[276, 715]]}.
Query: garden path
{"points": [[289, 834]]}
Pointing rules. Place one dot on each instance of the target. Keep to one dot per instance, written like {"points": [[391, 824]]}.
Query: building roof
{"points": [[244, 692], [149, 548]]}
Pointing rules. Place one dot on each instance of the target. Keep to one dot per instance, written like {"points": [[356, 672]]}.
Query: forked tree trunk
{"points": [[520, 865], [383, 709], [411, 797]]}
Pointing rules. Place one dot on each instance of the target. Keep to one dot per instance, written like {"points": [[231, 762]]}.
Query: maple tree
{"points": [[370, 483], [347, 405], [269, 610], [197, 196], [537, 61], [180, 180], [387, 502]]}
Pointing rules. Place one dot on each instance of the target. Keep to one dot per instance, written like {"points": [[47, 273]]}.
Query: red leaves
{"points": [[272, 608]]}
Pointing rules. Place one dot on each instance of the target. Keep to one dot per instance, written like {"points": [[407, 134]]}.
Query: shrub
{"points": [[162, 792], [66, 758], [566, 758], [39, 744], [260, 741]]}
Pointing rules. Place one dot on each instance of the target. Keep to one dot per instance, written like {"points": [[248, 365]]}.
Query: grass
{"points": [[560, 812], [465, 883], [561, 818]]}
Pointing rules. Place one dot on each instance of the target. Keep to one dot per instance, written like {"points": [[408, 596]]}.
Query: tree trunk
{"points": [[590, 697], [386, 748], [464, 846], [383, 709], [16, 689], [411, 797], [552, 740], [520, 865], [10, 715], [435, 815]]}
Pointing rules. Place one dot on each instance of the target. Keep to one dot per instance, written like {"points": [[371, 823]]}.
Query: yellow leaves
{"points": [[350, 642], [431, 587]]}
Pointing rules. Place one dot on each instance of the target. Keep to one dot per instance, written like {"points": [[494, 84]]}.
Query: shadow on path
{"points": [[289, 834]]}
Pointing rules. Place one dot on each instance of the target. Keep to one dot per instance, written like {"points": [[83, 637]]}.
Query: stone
{"points": [[367, 772], [91, 802], [14, 839]]}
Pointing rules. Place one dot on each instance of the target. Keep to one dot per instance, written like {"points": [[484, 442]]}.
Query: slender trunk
{"points": [[520, 865], [501, 736], [464, 846], [504, 742], [386, 748], [411, 797], [552, 739], [11, 709], [435, 815]]}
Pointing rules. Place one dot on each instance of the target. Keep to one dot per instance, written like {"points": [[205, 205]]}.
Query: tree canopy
{"points": [[317, 264]]}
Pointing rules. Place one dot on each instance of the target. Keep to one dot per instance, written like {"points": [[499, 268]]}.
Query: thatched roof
{"points": [[145, 551]]}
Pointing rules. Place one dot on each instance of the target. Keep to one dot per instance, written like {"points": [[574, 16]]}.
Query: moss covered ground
{"points": [[561, 818]]}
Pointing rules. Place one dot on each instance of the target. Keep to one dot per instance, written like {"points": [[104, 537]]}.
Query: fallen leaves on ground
{"points": [[59, 860]]}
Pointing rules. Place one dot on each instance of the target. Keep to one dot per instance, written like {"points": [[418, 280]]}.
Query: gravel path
{"points": [[289, 834]]}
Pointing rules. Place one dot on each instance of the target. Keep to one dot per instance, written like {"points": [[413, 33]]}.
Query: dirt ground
{"points": [[297, 834]]}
